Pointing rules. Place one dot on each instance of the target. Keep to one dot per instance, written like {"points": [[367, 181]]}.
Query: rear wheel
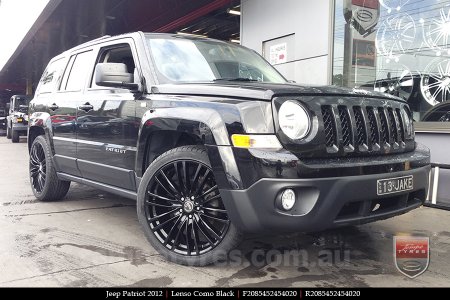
{"points": [[181, 210], [44, 182], [15, 136]]}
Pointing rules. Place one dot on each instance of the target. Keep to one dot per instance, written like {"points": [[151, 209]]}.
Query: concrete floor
{"points": [[93, 239]]}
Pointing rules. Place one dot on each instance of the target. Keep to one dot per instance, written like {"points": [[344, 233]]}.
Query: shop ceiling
{"points": [[66, 23]]}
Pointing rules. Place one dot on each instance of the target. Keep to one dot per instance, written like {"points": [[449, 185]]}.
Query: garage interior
{"points": [[66, 23]]}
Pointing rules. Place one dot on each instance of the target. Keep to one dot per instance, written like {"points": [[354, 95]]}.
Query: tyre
{"points": [[181, 211], [15, 137], [8, 132], [44, 182]]}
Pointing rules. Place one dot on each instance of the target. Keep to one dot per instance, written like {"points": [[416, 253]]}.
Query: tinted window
{"points": [[50, 76], [79, 71]]}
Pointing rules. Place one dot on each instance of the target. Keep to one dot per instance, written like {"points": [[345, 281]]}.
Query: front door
{"points": [[107, 129]]}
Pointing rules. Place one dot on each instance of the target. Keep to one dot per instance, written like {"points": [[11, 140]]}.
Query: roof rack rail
{"points": [[100, 38], [92, 41]]}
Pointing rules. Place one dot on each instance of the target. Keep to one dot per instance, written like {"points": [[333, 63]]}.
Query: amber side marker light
{"points": [[250, 141]]}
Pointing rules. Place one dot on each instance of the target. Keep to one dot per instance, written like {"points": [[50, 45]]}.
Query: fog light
{"points": [[288, 199]]}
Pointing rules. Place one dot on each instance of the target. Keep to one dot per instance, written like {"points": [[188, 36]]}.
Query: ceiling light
{"points": [[234, 12]]}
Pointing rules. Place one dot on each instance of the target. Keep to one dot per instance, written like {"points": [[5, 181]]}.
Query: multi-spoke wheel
{"points": [[38, 167], [44, 182], [181, 210], [435, 82]]}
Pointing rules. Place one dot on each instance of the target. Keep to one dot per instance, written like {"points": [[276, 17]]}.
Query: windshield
{"points": [[196, 60], [19, 102]]}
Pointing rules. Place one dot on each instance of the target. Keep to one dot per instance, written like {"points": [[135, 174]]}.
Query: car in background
{"points": [[2, 121], [17, 120]]}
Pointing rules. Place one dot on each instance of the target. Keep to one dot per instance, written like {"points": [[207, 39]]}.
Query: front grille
{"points": [[346, 125], [374, 132], [361, 131], [329, 126], [402, 127], [363, 128], [384, 128]]}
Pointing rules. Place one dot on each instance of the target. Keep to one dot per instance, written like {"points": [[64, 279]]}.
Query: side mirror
{"points": [[114, 75]]}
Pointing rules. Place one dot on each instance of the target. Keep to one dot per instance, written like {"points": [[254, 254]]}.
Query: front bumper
{"points": [[21, 127], [326, 202]]}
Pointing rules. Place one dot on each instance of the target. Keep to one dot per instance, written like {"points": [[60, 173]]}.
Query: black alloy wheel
{"points": [[38, 167], [45, 184], [184, 208], [181, 210]]}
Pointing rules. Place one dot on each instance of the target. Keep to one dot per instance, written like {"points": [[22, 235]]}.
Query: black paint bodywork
{"points": [[111, 145]]}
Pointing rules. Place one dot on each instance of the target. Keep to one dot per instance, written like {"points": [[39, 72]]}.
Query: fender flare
{"points": [[205, 123]]}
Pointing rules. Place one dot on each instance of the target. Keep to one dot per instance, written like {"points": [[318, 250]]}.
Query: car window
{"points": [[79, 72], [67, 72], [50, 77], [197, 60]]}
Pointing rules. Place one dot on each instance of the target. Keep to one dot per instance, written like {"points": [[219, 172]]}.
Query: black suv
{"points": [[212, 141], [17, 120]]}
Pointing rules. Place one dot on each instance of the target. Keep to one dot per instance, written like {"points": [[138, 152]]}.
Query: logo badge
{"points": [[411, 254]]}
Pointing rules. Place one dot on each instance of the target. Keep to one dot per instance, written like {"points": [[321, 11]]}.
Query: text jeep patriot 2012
{"points": [[212, 142]]}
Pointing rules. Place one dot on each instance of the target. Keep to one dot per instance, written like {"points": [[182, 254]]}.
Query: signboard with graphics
{"points": [[278, 54], [411, 255]]}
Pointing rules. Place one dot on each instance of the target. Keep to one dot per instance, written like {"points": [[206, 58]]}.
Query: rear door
{"points": [[107, 128], [48, 99], [63, 109]]}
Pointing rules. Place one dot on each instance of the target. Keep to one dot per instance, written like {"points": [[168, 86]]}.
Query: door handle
{"points": [[86, 107], [53, 107]]}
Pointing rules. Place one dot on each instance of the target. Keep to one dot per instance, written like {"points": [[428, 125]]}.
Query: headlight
{"points": [[294, 120]]}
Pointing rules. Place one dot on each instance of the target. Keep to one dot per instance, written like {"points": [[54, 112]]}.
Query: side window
{"points": [[50, 77], [117, 54], [76, 73], [67, 72]]}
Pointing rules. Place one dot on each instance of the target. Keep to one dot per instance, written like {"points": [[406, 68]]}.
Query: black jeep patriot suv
{"points": [[212, 141]]}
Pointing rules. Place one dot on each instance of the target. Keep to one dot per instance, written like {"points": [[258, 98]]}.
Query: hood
{"points": [[263, 91]]}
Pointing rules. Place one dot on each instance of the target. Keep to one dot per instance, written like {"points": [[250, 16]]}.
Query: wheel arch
{"points": [[40, 124]]}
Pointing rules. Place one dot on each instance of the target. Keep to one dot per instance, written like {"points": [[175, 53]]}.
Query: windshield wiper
{"points": [[235, 79]]}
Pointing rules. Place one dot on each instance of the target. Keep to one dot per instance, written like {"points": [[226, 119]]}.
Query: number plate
{"points": [[395, 185]]}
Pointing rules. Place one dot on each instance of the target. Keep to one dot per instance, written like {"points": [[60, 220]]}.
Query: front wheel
{"points": [[181, 210], [44, 182], [15, 136]]}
